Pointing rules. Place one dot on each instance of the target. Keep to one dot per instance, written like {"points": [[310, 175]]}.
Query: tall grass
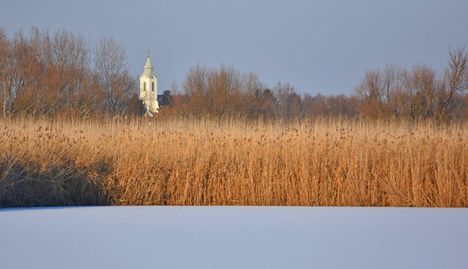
{"points": [[233, 162]]}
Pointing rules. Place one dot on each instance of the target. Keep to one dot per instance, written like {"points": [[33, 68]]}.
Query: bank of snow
{"points": [[233, 237]]}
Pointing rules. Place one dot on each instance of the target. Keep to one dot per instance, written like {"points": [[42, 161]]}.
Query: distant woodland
{"points": [[45, 74]]}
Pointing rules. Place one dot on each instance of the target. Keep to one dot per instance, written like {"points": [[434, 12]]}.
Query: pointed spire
{"points": [[148, 71], [148, 63]]}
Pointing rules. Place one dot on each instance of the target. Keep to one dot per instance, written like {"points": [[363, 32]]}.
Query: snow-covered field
{"points": [[233, 237]]}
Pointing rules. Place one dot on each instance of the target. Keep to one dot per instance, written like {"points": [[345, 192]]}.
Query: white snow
{"points": [[233, 237]]}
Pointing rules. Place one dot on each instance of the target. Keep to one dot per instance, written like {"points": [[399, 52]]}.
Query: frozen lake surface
{"points": [[233, 237]]}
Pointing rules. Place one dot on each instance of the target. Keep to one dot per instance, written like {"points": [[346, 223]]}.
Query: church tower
{"points": [[149, 88]]}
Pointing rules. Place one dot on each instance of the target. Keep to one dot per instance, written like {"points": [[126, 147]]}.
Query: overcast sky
{"points": [[317, 46]]}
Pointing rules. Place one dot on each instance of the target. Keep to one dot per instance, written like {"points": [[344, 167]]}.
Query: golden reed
{"points": [[233, 162]]}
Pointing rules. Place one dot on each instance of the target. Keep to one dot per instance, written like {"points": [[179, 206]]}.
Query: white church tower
{"points": [[149, 88]]}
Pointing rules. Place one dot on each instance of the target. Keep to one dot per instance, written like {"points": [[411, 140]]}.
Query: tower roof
{"points": [[148, 71]]}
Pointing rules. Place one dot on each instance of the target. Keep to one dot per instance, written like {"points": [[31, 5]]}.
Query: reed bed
{"points": [[233, 162]]}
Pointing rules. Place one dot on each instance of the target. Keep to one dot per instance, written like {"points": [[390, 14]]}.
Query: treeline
{"points": [[226, 91], [418, 93], [59, 74], [391, 93]]}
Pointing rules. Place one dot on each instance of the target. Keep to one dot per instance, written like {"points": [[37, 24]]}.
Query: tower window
{"points": [[152, 86], [144, 86]]}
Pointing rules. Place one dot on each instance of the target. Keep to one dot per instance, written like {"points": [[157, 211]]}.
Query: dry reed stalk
{"points": [[233, 162]]}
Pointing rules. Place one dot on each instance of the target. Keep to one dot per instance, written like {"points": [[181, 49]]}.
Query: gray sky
{"points": [[317, 46]]}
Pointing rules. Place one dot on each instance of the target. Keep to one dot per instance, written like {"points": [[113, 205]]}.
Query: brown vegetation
{"points": [[233, 162], [60, 75], [225, 138]]}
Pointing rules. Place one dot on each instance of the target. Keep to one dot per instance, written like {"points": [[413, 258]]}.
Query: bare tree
{"points": [[195, 87], [110, 62], [289, 102], [454, 82], [5, 71]]}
